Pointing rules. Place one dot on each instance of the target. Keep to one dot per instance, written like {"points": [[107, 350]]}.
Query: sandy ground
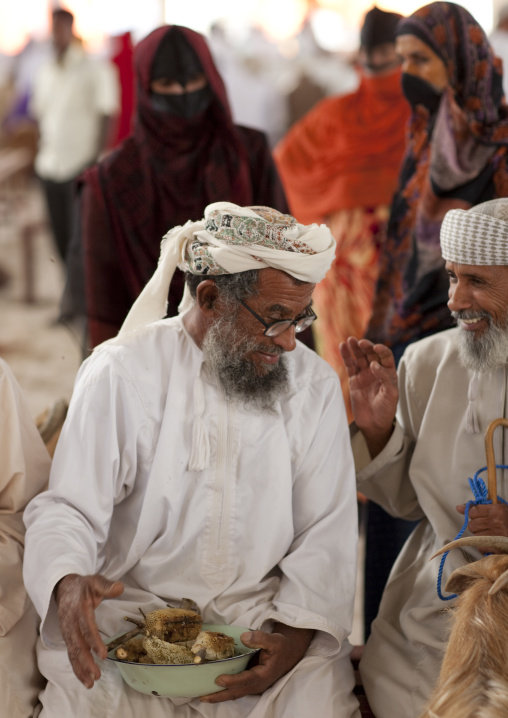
{"points": [[43, 356]]}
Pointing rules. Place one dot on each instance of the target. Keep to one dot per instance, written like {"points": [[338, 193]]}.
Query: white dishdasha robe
{"points": [[267, 532], [423, 473], [24, 471]]}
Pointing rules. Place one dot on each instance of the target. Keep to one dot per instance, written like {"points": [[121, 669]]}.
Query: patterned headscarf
{"points": [[478, 236], [456, 157], [233, 239], [474, 72]]}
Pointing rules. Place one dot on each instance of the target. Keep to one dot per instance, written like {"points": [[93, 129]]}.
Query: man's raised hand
{"points": [[373, 389]]}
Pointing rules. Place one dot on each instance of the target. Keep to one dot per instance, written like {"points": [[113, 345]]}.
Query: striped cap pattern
{"points": [[477, 236]]}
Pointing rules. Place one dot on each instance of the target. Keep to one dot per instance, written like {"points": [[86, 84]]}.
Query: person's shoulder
{"points": [[434, 349], [46, 68], [135, 354], [330, 109], [117, 163], [310, 370], [432, 360], [5, 369], [314, 396], [251, 136], [8, 382], [94, 65]]}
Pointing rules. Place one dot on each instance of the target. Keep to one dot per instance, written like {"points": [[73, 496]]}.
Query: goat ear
{"points": [[462, 578], [499, 583]]}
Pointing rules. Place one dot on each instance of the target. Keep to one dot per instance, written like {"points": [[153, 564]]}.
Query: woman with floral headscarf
{"points": [[456, 158]]}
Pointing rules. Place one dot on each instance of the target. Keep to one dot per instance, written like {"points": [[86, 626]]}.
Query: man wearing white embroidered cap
{"points": [[206, 455], [419, 437]]}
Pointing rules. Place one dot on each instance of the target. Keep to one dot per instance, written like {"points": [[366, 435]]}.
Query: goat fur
{"points": [[473, 682]]}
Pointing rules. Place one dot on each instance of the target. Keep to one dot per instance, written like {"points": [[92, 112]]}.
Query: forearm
{"points": [[385, 479]]}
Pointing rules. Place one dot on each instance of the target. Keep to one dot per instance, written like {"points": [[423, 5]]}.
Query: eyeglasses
{"points": [[275, 328]]}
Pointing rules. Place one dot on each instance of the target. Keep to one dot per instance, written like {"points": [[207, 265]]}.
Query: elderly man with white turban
{"points": [[206, 456], [415, 460]]}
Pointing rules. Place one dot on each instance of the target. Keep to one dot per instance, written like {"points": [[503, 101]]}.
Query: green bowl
{"points": [[188, 680]]}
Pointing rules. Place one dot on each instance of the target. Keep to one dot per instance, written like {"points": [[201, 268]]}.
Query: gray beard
{"points": [[224, 353], [487, 352]]}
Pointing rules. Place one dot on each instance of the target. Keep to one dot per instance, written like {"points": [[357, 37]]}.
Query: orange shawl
{"points": [[346, 152]]}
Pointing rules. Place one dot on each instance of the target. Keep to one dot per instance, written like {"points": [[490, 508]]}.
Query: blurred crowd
{"points": [[378, 145], [64, 129], [269, 86]]}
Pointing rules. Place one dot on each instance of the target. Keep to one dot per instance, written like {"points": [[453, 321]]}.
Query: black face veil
{"points": [[176, 60]]}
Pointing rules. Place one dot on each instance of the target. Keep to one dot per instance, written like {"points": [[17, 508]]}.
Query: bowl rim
{"points": [[248, 652]]}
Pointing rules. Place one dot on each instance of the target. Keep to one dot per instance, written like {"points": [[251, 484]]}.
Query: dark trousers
{"points": [[60, 201], [384, 538]]}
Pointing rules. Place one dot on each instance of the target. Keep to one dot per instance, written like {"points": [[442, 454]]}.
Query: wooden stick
{"points": [[136, 621], [491, 459], [117, 642]]}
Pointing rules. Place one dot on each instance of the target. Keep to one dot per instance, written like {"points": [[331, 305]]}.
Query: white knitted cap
{"points": [[477, 236]]}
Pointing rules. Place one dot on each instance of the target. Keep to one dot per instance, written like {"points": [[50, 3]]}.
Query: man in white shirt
{"points": [[207, 456], [419, 434], [74, 98]]}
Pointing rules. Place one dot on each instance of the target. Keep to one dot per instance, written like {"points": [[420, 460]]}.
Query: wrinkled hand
{"points": [[280, 652], [487, 520], [77, 597], [373, 389]]}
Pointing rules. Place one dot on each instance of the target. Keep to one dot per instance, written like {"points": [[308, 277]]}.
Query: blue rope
{"points": [[480, 494]]}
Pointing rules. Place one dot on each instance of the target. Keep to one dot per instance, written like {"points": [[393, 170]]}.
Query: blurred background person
{"points": [[251, 77], [339, 165], [499, 41], [185, 152], [456, 158], [74, 98], [18, 123]]}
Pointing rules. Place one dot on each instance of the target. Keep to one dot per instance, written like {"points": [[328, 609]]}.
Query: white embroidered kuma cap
{"points": [[477, 236]]}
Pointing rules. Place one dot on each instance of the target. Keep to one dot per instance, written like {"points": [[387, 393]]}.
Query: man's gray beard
{"points": [[487, 352], [224, 353]]}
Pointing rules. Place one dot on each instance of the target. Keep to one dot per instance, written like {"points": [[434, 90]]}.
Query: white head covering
{"points": [[229, 239], [233, 239], [477, 236]]}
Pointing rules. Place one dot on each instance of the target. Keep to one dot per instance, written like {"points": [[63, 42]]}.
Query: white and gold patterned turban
{"points": [[233, 239], [477, 236]]}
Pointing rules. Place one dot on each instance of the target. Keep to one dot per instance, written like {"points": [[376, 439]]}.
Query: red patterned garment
{"points": [[339, 166], [343, 300]]}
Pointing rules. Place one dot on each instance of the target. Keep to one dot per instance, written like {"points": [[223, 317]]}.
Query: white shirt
{"points": [[422, 473], [70, 101], [267, 532]]}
